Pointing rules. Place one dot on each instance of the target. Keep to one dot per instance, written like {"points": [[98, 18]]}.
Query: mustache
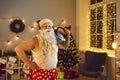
{"points": [[48, 30]]}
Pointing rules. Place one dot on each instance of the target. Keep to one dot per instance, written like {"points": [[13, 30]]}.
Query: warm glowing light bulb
{"points": [[32, 28], [17, 37], [11, 19], [8, 42], [63, 21]]}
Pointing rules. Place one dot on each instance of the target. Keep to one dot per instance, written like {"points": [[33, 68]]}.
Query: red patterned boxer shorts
{"points": [[43, 74]]}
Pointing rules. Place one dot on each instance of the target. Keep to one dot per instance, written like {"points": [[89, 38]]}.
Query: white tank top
{"points": [[46, 61]]}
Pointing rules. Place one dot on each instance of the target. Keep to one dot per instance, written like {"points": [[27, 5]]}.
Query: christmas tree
{"points": [[68, 58]]}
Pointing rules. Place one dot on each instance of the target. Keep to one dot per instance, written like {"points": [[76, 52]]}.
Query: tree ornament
{"points": [[68, 27]]}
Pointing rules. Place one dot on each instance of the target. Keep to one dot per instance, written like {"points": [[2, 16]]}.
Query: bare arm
{"points": [[25, 46]]}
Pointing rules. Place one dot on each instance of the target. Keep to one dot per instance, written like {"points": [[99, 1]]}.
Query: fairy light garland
{"points": [[16, 22], [16, 36], [105, 29]]}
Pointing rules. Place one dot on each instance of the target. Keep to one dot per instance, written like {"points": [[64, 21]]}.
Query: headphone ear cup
{"points": [[60, 37]]}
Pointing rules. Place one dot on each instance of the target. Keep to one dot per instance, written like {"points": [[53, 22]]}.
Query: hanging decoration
{"points": [[17, 26], [96, 27], [68, 27], [25, 68], [10, 64], [111, 24]]}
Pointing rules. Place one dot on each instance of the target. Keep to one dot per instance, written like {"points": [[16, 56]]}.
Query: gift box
{"points": [[60, 75], [70, 74]]}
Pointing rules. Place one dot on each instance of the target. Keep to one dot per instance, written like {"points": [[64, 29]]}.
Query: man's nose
{"points": [[48, 27]]}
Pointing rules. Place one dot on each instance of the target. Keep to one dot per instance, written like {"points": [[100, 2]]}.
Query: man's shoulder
{"points": [[35, 38]]}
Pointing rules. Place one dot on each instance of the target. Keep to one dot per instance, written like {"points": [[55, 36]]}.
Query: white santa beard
{"points": [[49, 36], [48, 40]]}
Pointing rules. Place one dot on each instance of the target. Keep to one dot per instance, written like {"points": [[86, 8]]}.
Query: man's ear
{"points": [[54, 27], [38, 24]]}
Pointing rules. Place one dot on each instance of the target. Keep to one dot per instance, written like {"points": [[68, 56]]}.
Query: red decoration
{"points": [[68, 27], [69, 60], [70, 74], [1, 66]]}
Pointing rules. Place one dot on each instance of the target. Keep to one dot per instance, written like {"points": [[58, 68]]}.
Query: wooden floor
{"points": [[83, 78]]}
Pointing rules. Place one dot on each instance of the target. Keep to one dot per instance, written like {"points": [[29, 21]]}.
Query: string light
{"points": [[8, 42], [17, 37], [107, 13], [105, 34], [32, 28], [11, 19], [63, 21], [17, 17]]}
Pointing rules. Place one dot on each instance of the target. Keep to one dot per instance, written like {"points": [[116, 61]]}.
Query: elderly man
{"points": [[44, 49]]}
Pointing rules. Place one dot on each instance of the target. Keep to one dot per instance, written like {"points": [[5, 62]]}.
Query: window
{"points": [[96, 27], [102, 24], [95, 1], [111, 24]]}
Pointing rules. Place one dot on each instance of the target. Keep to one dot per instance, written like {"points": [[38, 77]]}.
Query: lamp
{"points": [[115, 46]]}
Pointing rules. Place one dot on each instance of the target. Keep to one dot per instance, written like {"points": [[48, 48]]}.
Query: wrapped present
{"points": [[60, 75], [70, 74]]}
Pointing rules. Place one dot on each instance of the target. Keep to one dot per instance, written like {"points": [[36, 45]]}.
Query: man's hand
{"points": [[67, 32], [34, 66]]}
